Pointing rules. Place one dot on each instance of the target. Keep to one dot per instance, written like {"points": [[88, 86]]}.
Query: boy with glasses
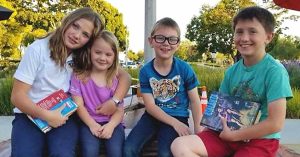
{"points": [[168, 87]]}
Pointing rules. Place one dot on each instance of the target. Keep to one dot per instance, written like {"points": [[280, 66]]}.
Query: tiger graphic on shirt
{"points": [[165, 89]]}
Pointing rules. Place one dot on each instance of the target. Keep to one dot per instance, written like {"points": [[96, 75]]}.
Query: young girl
{"points": [[168, 86], [93, 84], [45, 68]]}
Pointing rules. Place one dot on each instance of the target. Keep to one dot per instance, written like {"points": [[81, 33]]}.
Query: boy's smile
{"points": [[165, 49], [250, 39]]}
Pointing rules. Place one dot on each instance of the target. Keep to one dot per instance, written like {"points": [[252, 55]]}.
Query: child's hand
{"points": [[96, 129], [198, 128], [226, 134], [107, 131], [181, 128], [107, 108], [55, 118]]}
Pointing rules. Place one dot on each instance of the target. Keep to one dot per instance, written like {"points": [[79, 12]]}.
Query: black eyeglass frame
{"points": [[165, 38]]}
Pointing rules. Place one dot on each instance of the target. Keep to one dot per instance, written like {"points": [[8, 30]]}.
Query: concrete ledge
{"points": [[150, 150], [290, 141], [290, 133]]}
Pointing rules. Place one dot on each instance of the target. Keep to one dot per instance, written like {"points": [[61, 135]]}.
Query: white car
{"points": [[131, 65]]}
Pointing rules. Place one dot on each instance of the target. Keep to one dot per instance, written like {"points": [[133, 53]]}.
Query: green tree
{"points": [[140, 54], [32, 19], [286, 48], [187, 51], [132, 56], [212, 30]]}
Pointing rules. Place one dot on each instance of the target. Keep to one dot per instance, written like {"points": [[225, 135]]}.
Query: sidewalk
{"points": [[5, 127], [291, 134]]}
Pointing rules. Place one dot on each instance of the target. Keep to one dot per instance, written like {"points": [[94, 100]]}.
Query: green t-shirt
{"points": [[263, 82]]}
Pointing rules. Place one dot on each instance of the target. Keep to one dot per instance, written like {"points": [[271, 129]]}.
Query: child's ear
{"points": [[269, 37], [150, 40]]}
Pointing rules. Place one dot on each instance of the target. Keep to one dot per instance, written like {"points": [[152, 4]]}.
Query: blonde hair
{"points": [[166, 22], [83, 64], [56, 43]]}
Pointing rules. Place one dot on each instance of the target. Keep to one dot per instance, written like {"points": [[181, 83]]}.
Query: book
{"points": [[52, 102], [239, 113]]}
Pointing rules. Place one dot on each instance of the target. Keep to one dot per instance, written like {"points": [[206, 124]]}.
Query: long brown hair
{"points": [[83, 64], [56, 43]]}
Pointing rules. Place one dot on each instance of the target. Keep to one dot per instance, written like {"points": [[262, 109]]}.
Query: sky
{"points": [[181, 11]]}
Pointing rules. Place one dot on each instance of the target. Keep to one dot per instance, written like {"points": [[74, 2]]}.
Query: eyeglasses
{"points": [[162, 39]]}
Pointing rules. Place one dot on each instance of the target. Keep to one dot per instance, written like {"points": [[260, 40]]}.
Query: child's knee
{"points": [[175, 144]]}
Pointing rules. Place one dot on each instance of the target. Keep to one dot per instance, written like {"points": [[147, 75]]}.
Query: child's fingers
{"points": [[224, 122], [61, 107]]}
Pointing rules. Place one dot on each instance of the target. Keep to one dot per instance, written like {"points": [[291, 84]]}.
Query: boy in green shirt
{"points": [[256, 77]]}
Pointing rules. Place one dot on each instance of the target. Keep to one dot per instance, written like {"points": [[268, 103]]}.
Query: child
{"points": [[45, 68], [256, 77], [93, 85], [168, 86]]}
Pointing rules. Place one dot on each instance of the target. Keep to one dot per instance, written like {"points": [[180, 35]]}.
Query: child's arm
{"points": [[109, 107], [159, 114], [273, 124], [20, 99], [115, 120], [196, 110], [83, 114]]}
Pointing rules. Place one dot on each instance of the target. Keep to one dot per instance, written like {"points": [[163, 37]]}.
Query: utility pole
{"points": [[150, 19]]}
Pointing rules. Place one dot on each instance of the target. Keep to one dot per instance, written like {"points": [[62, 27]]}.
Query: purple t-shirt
{"points": [[93, 95]]}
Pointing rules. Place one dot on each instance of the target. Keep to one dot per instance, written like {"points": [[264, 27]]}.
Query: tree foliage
{"points": [[132, 56], [212, 29], [187, 51], [32, 19], [286, 48], [140, 54]]}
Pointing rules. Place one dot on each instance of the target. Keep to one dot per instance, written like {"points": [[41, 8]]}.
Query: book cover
{"points": [[239, 113], [52, 102]]}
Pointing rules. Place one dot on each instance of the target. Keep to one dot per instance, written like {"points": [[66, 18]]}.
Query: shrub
{"points": [[210, 77], [134, 74], [293, 105], [8, 70], [6, 107], [293, 68]]}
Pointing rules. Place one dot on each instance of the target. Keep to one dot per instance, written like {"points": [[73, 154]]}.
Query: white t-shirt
{"points": [[40, 71]]}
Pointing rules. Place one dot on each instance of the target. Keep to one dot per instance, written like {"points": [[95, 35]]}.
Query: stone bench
{"points": [[133, 112], [149, 150]]}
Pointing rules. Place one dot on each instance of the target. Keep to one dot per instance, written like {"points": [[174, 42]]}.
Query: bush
{"points": [[293, 105], [6, 108], [7, 70], [134, 74], [210, 77], [293, 68]]}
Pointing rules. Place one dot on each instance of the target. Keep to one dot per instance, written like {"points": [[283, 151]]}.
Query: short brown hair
{"points": [[265, 17]]}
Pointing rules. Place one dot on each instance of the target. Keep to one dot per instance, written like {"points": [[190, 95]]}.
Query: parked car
{"points": [[130, 64]]}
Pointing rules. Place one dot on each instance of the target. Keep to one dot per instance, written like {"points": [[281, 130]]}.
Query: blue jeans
{"points": [[145, 129], [90, 144], [28, 140]]}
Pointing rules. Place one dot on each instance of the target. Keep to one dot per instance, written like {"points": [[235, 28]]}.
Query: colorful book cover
{"points": [[239, 113], [52, 102]]}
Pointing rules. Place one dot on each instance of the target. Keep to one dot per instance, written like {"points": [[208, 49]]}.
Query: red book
{"points": [[52, 102]]}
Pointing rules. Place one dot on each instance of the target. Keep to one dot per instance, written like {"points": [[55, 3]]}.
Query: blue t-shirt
{"points": [[263, 82], [170, 92]]}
